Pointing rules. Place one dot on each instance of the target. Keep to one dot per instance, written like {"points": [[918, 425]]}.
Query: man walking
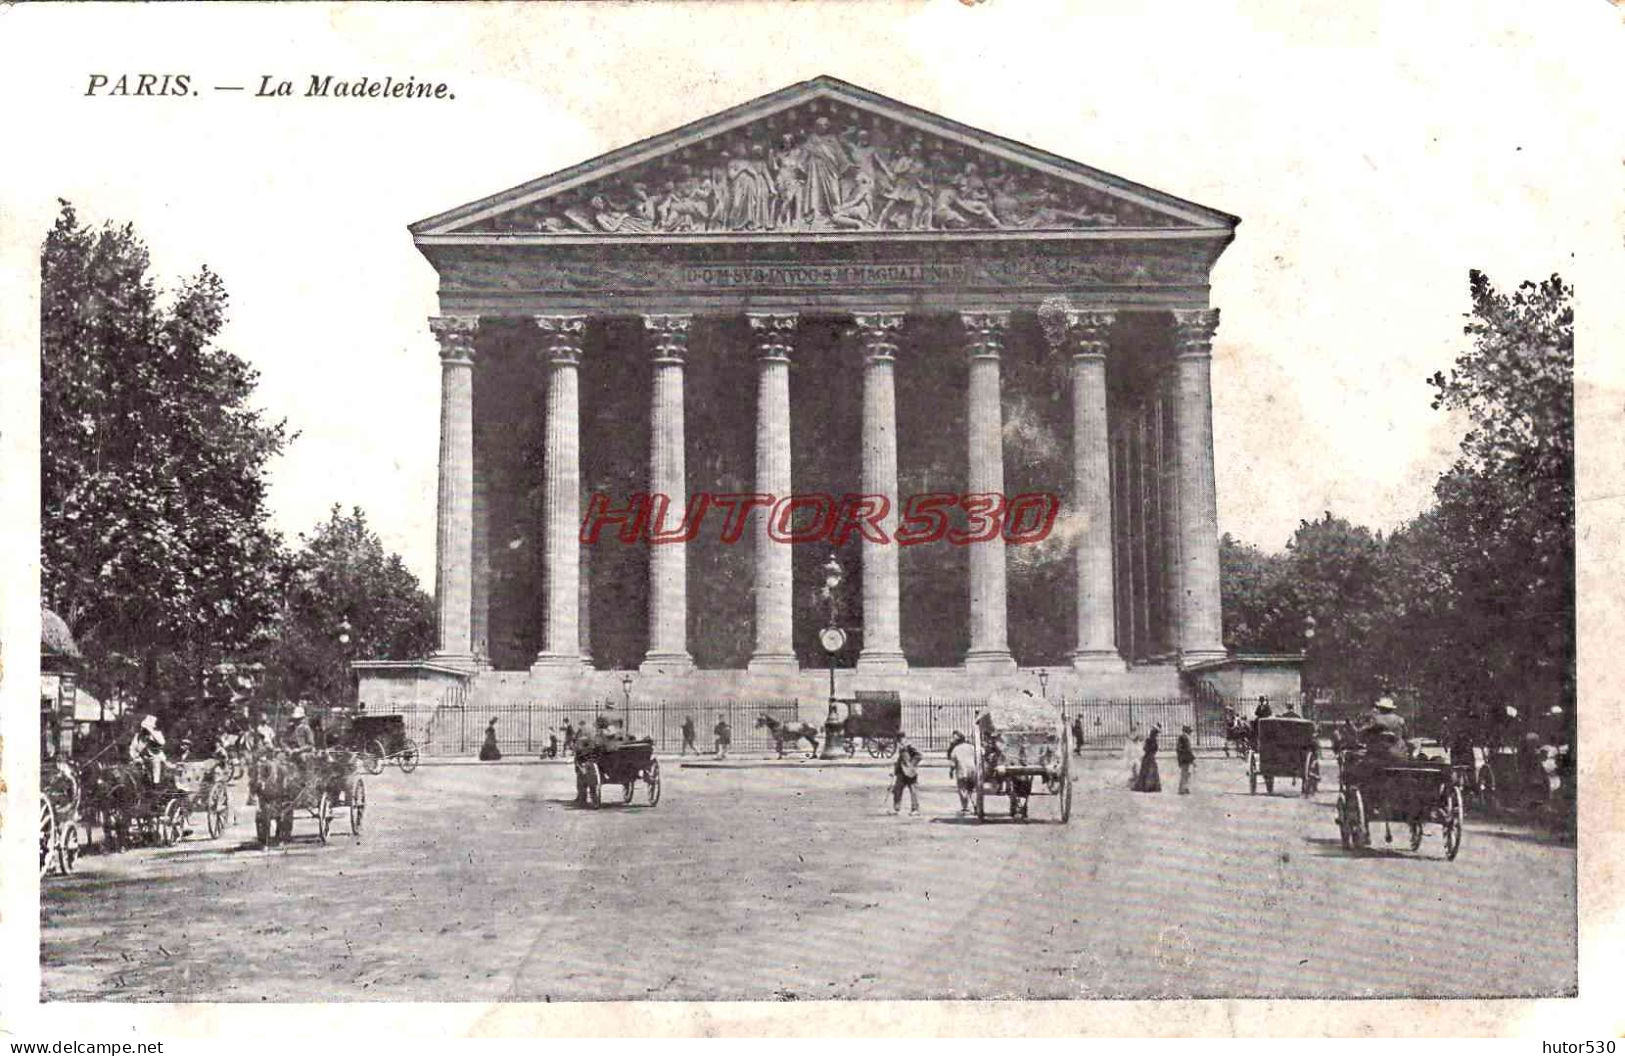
{"points": [[688, 736], [905, 774], [962, 766], [1186, 758], [725, 736]]}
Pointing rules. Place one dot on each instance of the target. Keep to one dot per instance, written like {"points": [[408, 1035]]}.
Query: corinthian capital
{"points": [[877, 333], [561, 336], [456, 336], [984, 333], [1193, 331], [1087, 332], [668, 336], [773, 334]]}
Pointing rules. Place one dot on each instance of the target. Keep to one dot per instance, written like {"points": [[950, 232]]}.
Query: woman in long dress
{"points": [[1131, 756], [1149, 780]]}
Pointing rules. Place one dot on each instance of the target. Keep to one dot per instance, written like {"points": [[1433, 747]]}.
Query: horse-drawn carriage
{"points": [[321, 785], [615, 761], [1284, 747], [131, 808], [1412, 792], [380, 739], [877, 719], [1018, 761]]}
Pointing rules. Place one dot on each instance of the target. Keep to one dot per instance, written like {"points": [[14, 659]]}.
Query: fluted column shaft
{"points": [[668, 562], [1201, 628], [1088, 334], [561, 473], [774, 335], [882, 608], [454, 508], [989, 639], [480, 588]]}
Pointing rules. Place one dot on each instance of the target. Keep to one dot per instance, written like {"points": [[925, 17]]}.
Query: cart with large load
{"points": [[601, 761], [1413, 793], [326, 785], [1021, 759], [1284, 747]]}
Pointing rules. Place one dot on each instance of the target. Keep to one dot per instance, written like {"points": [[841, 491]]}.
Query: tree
{"points": [[1254, 596], [344, 598], [1506, 507], [153, 541]]}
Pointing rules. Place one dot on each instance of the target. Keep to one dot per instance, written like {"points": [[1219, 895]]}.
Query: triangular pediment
{"points": [[826, 157]]}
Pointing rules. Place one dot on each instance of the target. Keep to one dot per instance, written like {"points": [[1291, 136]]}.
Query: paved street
{"points": [[484, 883]]}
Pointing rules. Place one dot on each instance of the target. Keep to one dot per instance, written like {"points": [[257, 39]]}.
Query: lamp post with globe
{"points": [[832, 639]]}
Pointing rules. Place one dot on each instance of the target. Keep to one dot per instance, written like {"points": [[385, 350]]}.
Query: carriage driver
{"points": [[1383, 730], [301, 739], [147, 747]]}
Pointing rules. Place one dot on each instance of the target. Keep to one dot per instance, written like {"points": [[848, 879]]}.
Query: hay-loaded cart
{"points": [[624, 763], [329, 785], [1021, 761]]}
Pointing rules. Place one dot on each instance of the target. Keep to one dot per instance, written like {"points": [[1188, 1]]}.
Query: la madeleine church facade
{"points": [[821, 292]]}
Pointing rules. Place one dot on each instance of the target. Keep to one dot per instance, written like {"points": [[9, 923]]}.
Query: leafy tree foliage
{"points": [[1472, 602], [345, 598], [153, 540]]}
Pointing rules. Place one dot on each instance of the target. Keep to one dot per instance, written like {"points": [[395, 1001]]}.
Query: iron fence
{"points": [[451, 726]]}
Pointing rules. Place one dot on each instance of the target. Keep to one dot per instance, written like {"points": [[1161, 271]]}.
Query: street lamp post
{"points": [[1043, 683], [832, 639], [626, 691]]}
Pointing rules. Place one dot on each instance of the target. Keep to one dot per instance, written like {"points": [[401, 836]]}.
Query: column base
{"points": [[666, 664], [586, 662], [882, 661], [774, 664], [990, 662], [1192, 657], [1098, 660], [556, 661]]}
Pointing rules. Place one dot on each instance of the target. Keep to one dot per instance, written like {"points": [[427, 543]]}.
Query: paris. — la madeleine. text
{"points": [[267, 86]]}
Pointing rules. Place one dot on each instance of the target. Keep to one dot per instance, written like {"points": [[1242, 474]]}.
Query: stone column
{"points": [[1201, 631], [454, 509], [1169, 483], [561, 472], [1087, 333], [668, 562], [774, 336], [989, 640], [480, 589], [882, 610], [584, 612]]}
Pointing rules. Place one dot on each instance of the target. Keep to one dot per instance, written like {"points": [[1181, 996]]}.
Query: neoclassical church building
{"points": [[822, 292]]}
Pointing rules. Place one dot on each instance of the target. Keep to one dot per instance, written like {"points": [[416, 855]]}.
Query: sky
{"points": [[1375, 152]]}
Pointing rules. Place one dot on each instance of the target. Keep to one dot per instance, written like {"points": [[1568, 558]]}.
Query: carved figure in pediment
{"points": [[789, 181], [751, 184], [964, 201], [907, 202], [618, 221], [824, 162]]}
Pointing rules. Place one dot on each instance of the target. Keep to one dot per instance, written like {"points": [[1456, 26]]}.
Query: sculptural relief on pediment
{"points": [[822, 168]]}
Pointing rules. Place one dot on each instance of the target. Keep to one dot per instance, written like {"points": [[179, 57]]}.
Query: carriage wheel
{"points": [[888, 748], [1252, 772], [372, 758], [875, 748], [358, 806], [1454, 823], [324, 816], [409, 756], [218, 810], [595, 786], [47, 834], [67, 849], [1311, 775], [1359, 825], [1343, 821], [173, 823], [652, 779]]}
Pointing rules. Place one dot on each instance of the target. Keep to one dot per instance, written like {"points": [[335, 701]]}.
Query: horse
{"points": [[1239, 732], [794, 733], [114, 795], [277, 781]]}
